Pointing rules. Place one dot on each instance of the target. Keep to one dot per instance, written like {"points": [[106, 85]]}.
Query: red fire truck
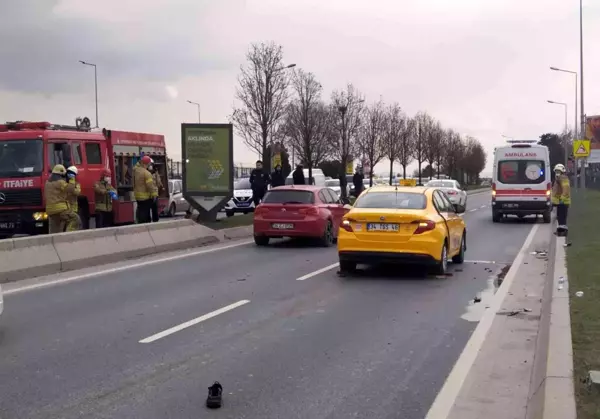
{"points": [[29, 150]]}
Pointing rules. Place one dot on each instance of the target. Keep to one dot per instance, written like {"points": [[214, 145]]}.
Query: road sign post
{"points": [[207, 151]]}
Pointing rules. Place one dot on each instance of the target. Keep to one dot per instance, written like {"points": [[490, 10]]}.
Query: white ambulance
{"points": [[521, 182]]}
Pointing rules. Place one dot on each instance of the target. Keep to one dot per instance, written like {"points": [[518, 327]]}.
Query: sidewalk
{"points": [[495, 376]]}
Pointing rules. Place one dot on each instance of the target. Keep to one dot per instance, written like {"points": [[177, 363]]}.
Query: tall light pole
{"points": [[198, 105], [565, 141], [95, 86], [575, 125], [582, 130]]}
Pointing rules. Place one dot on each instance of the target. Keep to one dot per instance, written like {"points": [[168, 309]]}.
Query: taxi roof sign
{"points": [[581, 148]]}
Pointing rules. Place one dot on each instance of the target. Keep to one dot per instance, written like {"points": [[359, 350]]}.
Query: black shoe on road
{"points": [[215, 396]]}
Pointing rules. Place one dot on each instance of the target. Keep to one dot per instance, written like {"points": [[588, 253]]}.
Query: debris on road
{"points": [[215, 396], [579, 294], [477, 299]]}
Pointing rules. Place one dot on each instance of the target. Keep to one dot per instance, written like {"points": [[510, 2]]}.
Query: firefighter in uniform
{"points": [[72, 196], [159, 185], [104, 194], [561, 198], [57, 207], [144, 190]]}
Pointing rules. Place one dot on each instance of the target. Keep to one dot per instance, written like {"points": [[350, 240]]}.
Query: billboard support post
{"points": [[207, 167]]}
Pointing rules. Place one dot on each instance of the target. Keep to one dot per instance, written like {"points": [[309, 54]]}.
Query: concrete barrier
{"points": [[29, 257]]}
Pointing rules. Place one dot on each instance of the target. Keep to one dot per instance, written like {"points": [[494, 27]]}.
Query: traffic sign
{"points": [[350, 168], [581, 148], [276, 161]]}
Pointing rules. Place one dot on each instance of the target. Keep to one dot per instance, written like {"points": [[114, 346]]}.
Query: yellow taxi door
{"points": [[454, 223]]}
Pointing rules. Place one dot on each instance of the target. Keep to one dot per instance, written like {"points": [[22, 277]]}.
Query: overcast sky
{"points": [[480, 67]]}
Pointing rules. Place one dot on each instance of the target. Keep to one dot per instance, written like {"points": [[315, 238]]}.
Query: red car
{"points": [[298, 211]]}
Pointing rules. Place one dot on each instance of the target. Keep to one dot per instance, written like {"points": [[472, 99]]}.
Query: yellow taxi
{"points": [[390, 224]]}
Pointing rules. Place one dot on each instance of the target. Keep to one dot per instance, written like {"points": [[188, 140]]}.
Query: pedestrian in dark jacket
{"points": [[298, 176], [357, 180], [277, 178], [259, 181]]}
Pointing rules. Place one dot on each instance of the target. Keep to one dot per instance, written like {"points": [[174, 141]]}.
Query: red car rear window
{"points": [[289, 197]]}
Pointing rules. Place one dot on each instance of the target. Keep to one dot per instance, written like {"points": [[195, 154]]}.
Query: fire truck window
{"points": [[93, 154], [59, 153], [77, 157]]}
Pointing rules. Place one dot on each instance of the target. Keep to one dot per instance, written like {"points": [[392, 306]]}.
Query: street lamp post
{"points": [[565, 141], [576, 125], [198, 105], [582, 129], [95, 85]]}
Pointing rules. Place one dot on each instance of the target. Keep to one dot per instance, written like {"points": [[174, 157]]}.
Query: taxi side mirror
{"points": [[347, 207], [459, 209]]}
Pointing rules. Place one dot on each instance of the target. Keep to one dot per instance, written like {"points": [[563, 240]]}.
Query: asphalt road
{"points": [[374, 345]]}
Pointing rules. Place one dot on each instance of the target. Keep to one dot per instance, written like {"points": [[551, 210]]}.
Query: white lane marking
{"points": [[483, 262], [122, 268], [473, 210], [483, 206], [193, 322], [443, 403], [317, 272]]}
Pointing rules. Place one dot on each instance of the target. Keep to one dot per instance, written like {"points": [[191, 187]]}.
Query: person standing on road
{"points": [[159, 186], [72, 197], [561, 198], [57, 206], [298, 175], [259, 181], [358, 180], [144, 190], [104, 194], [277, 178]]}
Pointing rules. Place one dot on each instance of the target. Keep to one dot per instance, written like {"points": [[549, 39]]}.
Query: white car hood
{"points": [[242, 193]]}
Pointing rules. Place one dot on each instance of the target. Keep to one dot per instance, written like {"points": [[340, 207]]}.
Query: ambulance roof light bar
{"points": [[521, 141]]}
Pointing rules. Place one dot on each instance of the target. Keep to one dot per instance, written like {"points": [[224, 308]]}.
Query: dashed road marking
{"points": [[193, 322], [317, 272]]}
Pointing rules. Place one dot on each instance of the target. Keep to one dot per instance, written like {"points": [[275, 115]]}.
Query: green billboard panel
{"points": [[207, 153]]}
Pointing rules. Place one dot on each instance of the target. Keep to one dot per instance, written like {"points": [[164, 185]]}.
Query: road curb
{"points": [[552, 394]]}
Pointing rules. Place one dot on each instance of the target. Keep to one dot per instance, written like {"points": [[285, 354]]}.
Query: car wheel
{"points": [[261, 240], [172, 210], [547, 216], [460, 258], [496, 216], [347, 266], [328, 237], [229, 213], [442, 266]]}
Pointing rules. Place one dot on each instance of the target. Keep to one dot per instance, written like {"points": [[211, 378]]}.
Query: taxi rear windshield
{"points": [[393, 200], [529, 172], [289, 197]]}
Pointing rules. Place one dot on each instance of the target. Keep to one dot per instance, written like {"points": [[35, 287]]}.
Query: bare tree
{"points": [[263, 94], [395, 125], [407, 145], [370, 142], [307, 121], [423, 126], [433, 144], [454, 151], [441, 152], [348, 104]]}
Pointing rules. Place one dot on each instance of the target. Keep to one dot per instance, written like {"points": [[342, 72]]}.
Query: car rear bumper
{"points": [[302, 228], [521, 207], [369, 258]]}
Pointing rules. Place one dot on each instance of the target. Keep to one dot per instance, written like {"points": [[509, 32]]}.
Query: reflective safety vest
{"points": [[157, 180], [561, 191], [55, 193], [73, 194], [102, 197], [144, 187]]}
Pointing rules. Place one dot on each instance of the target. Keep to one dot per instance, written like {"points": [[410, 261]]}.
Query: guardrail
{"points": [[29, 257]]}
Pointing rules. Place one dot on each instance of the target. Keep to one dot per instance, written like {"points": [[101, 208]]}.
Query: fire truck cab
{"points": [[29, 151]]}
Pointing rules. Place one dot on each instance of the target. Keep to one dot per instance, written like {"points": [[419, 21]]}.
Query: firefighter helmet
{"points": [[72, 169], [59, 169], [560, 168], [146, 160]]}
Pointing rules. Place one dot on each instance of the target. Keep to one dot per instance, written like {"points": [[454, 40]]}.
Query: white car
{"points": [[452, 189], [242, 198], [177, 202], [334, 184]]}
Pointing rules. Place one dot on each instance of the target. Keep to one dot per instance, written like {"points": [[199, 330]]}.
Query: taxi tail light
{"points": [[309, 211], [424, 226], [347, 225], [548, 190]]}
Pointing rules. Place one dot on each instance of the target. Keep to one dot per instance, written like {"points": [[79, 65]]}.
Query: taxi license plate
{"points": [[7, 226], [282, 226], [382, 227]]}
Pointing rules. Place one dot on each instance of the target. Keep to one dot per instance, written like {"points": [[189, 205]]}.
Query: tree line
{"points": [[284, 107]]}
